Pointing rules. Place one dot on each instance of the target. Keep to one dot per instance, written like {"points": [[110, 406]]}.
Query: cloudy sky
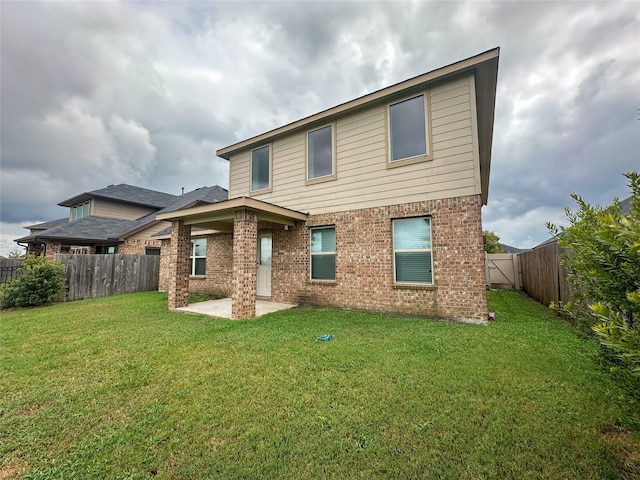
{"points": [[99, 93]]}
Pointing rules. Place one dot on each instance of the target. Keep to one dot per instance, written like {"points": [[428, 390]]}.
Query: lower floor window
{"points": [[198, 256], [323, 253], [412, 261]]}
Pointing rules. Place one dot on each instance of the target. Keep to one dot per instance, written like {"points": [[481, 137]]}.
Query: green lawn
{"points": [[122, 388]]}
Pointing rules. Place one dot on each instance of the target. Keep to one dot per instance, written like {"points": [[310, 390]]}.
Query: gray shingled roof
{"points": [[125, 193], [47, 225], [90, 228], [102, 228], [625, 206], [203, 194], [199, 195]]}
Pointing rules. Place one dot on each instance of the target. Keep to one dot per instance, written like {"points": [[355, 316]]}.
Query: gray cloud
{"points": [[95, 93]]}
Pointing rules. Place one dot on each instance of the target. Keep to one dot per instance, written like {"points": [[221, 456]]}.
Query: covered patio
{"points": [[239, 216]]}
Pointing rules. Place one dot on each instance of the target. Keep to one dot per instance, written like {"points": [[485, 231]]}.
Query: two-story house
{"points": [[116, 219], [374, 204]]}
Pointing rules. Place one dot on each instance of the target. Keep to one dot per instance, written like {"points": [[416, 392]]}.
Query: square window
{"points": [[260, 168], [408, 129], [323, 253], [320, 153], [412, 260]]}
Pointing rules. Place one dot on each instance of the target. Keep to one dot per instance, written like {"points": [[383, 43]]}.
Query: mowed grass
{"points": [[122, 388]]}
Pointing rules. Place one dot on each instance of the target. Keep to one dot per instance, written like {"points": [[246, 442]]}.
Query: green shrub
{"points": [[39, 281], [604, 268]]}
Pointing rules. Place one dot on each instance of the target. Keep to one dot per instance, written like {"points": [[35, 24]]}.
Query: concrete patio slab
{"points": [[222, 308]]}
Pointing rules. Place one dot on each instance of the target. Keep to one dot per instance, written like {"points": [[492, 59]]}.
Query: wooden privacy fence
{"points": [[543, 276], [503, 271], [9, 269], [92, 276]]}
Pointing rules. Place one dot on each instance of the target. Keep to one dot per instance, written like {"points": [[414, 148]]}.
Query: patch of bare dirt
{"points": [[625, 449], [13, 469]]}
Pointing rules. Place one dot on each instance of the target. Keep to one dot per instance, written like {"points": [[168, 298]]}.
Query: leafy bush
{"points": [[604, 268], [39, 281], [492, 242]]}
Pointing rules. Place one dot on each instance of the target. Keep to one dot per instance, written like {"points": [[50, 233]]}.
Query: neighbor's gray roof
{"points": [[125, 193], [625, 207], [213, 194], [100, 229], [47, 225], [510, 249], [88, 229], [203, 194], [199, 195]]}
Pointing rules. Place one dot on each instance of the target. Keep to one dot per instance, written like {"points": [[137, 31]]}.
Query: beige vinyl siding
{"points": [[147, 233], [110, 209], [363, 179]]}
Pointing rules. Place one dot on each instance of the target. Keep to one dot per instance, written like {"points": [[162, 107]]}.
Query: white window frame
{"points": [[268, 187], [427, 127], [413, 250], [332, 175], [312, 254], [194, 257]]}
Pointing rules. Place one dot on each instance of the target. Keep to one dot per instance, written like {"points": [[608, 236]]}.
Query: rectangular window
{"points": [[323, 253], [320, 153], [198, 256], [152, 250], [80, 211], [260, 168], [412, 251], [408, 129]]}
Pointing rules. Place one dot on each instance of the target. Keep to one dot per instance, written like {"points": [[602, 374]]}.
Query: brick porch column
{"points": [[245, 256], [52, 249], [178, 260]]}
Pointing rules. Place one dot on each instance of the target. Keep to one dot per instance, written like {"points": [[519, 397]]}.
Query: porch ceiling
{"points": [[219, 216]]}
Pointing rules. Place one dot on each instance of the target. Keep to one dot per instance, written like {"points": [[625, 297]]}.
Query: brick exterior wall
{"points": [[245, 254], [165, 272], [136, 247], [218, 278], [178, 264], [52, 249], [364, 262]]}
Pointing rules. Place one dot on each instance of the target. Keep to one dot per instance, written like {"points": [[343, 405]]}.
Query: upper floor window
{"points": [[323, 253], [408, 129], [260, 168], [412, 260], [320, 158], [198, 256], [80, 211]]}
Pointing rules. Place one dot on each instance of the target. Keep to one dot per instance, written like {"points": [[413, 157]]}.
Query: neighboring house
{"points": [[116, 219], [510, 249], [374, 204], [625, 208]]}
